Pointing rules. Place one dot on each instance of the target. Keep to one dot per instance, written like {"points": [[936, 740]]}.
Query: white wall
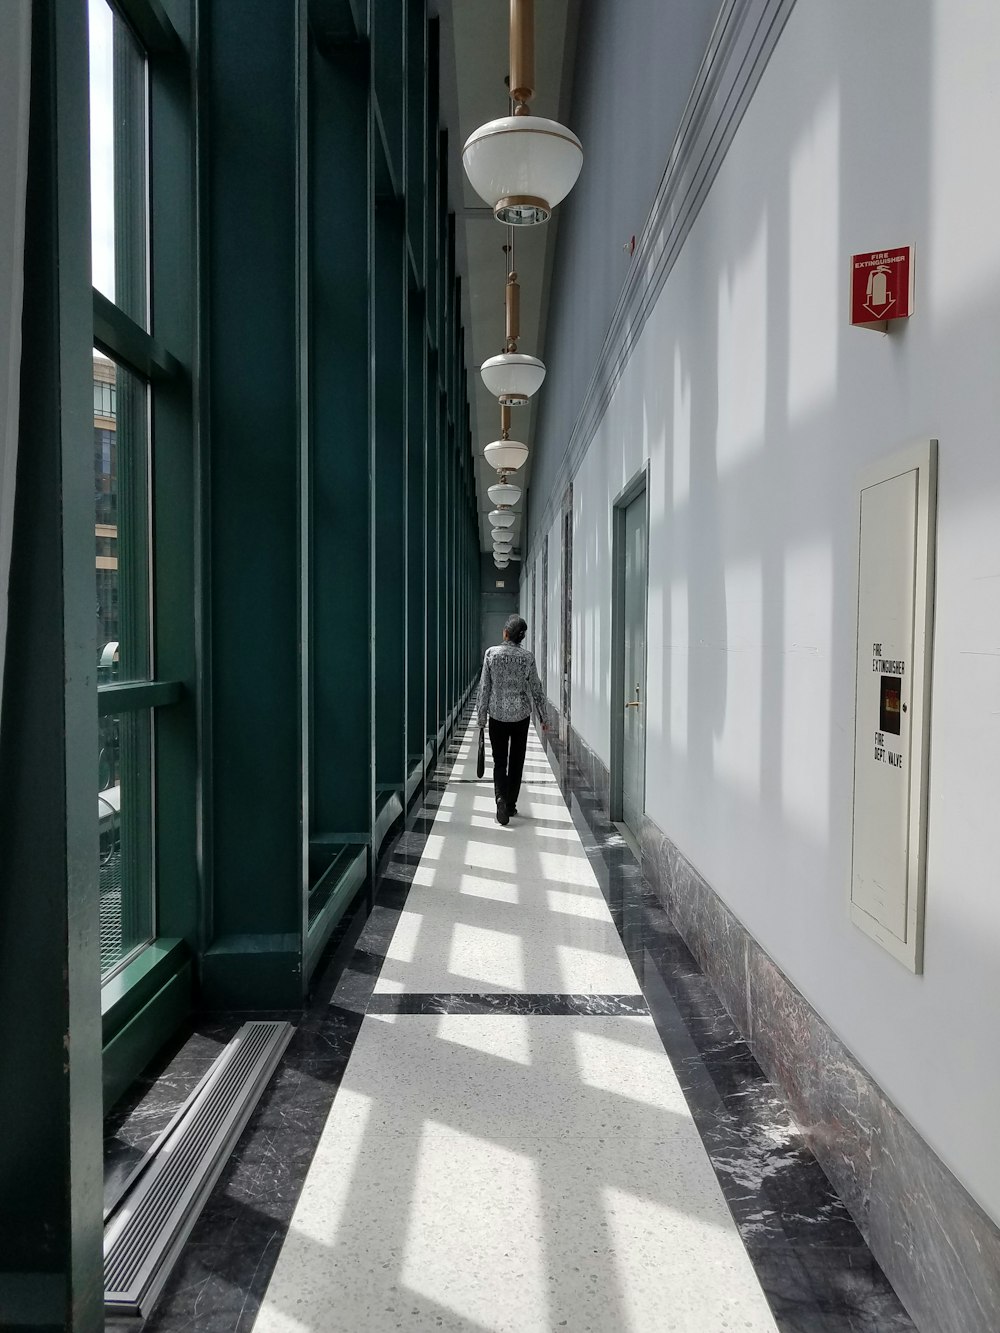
{"points": [[553, 676], [757, 405]]}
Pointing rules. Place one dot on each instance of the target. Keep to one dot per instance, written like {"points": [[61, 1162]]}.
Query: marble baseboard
{"points": [[595, 772], [938, 1248]]}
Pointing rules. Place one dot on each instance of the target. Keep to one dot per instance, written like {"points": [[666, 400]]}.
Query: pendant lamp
{"points": [[506, 455], [504, 493], [499, 534], [513, 377], [501, 518], [522, 165]]}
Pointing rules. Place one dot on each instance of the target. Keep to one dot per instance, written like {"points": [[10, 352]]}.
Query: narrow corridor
{"points": [[510, 1147]]}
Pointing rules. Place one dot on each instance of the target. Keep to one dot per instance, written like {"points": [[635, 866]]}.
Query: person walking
{"points": [[507, 688]]}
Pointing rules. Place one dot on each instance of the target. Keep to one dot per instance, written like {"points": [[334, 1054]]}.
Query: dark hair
{"points": [[515, 629]]}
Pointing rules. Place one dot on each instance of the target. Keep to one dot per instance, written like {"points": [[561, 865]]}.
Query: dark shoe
{"points": [[512, 809], [502, 816]]}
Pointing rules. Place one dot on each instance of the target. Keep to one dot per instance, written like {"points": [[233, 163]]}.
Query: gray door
{"points": [[634, 618]]}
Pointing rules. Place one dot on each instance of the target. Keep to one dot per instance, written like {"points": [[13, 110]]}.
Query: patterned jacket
{"points": [[509, 685]]}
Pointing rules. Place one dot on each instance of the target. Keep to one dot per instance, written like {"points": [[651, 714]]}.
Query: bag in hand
{"points": [[481, 757]]}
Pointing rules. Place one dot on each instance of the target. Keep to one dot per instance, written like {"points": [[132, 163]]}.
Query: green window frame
{"points": [[148, 993]]}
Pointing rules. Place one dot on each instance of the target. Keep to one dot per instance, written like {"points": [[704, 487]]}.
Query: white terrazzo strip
{"points": [[510, 1174], [481, 915]]}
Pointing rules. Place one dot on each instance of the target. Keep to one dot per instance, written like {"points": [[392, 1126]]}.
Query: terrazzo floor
{"points": [[509, 1170]]}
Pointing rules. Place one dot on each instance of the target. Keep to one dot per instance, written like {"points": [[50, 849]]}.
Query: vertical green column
{"points": [[176, 491], [447, 566], [416, 526], [389, 342], [343, 770], [252, 86], [50, 1024], [442, 558], [433, 443], [415, 153], [453, 582]]}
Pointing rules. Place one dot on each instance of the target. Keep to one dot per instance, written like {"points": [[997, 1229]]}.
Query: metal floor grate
{"points": [[148, 1230]]}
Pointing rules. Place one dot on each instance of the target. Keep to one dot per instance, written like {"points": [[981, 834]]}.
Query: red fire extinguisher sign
{"points": [[881, 286]]}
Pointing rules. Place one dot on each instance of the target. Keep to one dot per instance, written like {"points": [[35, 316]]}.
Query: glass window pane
{"points": [[125, 823], [118, 162], [121, 523]]}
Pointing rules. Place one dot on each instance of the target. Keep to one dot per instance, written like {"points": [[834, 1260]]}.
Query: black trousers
{"points": [[508, 741]]}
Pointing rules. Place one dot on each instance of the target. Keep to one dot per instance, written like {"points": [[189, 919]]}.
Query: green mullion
{"points": [[343, 784], [416, 529], [455, 577], [441, 183], [131, 696], [50, 1031], [388, 86], [415, 130], [431, 194], [433, 431], [131, 346], [174, 307], [449, 576], [390, 474], [457, 582], [151, 24], [442, 527]]}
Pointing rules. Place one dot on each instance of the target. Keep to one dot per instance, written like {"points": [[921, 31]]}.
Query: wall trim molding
{"points": [[742, 42]]}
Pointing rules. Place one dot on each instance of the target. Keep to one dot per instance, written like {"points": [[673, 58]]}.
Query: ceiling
{"points": [[474, 58]]}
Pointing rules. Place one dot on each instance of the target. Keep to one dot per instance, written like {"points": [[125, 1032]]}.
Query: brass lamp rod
{"points": [[512, 304], [522, 55]]}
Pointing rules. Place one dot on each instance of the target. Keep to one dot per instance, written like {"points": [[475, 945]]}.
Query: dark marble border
{"points": [[939, 1249], [506, 1004]]}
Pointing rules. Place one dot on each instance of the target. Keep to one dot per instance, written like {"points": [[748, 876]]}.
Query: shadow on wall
{"points": [[758, 405]]}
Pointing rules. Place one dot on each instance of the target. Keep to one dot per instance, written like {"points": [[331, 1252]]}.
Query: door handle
{"points": [[634, 703]]}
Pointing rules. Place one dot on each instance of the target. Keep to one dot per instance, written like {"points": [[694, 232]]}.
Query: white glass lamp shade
{"points": [[513, 377], [501, 518], [502, 534], [506, 538], [522, 166], [504, 493], [506, 455], [502, 545], [501, 564]]}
